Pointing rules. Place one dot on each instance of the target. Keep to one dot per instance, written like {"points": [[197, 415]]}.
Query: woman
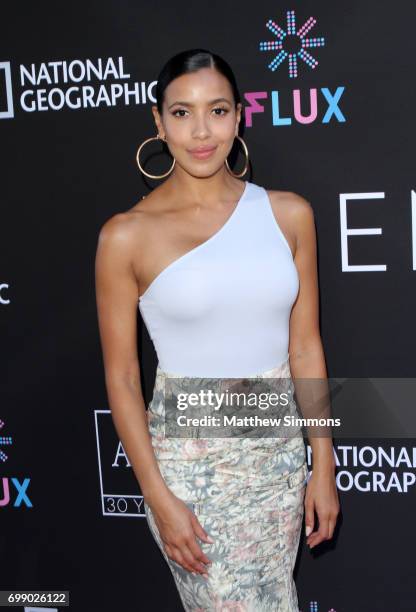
{"points": [[225, 275]]}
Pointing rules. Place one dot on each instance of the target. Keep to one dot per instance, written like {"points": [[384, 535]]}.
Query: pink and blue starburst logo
{"points": [[4, 440], [292, 44]]}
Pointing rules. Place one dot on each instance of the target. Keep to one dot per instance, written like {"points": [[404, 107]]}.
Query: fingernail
{"points": [[210, 540], [308, 530]]}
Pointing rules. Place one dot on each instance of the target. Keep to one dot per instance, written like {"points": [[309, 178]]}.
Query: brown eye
{"points": [[179, 110], [220, 108]]}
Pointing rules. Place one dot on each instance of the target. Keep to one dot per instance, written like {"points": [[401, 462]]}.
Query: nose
{"points": [[200, 128]]}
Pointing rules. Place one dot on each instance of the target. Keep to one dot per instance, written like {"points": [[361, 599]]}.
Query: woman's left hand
{"points": [[321, 495]]}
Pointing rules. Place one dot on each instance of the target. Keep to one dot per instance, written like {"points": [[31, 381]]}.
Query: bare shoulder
{"points": [[294, 214], [291, 204], [117, 233], [126, 231]]}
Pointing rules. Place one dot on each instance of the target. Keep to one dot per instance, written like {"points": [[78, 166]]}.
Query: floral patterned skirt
{"points": [[248, 495]]}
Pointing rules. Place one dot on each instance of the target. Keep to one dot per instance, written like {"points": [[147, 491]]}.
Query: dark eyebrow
{"points": [[183, 103]]}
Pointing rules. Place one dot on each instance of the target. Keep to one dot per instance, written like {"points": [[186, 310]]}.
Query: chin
{"points": [[205, 172]]}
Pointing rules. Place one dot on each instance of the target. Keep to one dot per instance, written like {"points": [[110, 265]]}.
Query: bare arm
{"points": [[116, 296], [307, 361]]}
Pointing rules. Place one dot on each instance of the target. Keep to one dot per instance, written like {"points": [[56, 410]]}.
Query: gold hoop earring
{"points": [[153, 176], [246, 163]]}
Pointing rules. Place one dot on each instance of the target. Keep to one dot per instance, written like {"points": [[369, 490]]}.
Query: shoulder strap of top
{"points": [[262, 212]]}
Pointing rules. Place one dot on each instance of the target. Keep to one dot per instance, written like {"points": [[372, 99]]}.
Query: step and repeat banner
{"points": [[328, 91]]}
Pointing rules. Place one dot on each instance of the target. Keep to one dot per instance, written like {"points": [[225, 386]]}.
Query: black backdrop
{"points": [[64, 171]]}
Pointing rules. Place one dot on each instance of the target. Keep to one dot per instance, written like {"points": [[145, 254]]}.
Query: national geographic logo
{"points": [[6, 93], [76, 85]]}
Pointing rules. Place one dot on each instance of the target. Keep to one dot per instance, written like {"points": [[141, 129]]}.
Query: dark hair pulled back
{"points": [[189, 61]]}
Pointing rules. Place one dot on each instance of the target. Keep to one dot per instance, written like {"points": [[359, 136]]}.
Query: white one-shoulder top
{"points": [[222, 309]]}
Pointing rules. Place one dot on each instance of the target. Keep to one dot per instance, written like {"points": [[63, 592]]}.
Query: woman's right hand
{"points": [[178, 526]]}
